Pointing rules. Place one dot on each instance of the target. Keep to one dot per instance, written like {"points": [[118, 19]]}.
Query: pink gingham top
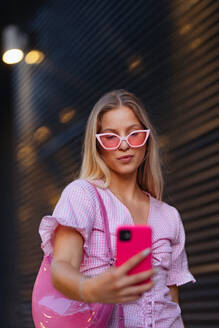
{"points": [[78, 207]]}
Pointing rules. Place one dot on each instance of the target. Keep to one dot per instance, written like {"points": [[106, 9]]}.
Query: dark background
{"points": [[167, 52]]}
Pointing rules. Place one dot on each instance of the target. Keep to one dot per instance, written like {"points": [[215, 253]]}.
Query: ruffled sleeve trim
{"points": [[47, 229], [181, 279]]}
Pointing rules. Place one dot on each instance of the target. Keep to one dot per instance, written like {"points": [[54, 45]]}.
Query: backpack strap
{"points": [[106, 225], [109, 247]]}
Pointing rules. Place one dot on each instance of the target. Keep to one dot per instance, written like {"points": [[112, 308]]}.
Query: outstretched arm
{"points": [[111, 286]]}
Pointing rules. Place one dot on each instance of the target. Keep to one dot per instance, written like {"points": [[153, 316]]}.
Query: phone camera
{"points": [[125, 235]]}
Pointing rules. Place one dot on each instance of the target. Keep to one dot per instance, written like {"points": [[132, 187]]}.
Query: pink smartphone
{"points": [[130, 240]]}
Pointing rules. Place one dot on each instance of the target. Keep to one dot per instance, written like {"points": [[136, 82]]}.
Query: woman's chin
{"points": [[124, 170]]}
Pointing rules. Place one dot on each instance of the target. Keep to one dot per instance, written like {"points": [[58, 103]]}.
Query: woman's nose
{"points": [[124, 145]]}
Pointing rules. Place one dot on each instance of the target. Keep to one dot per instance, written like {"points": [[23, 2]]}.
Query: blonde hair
{"points": [[93, 167]]}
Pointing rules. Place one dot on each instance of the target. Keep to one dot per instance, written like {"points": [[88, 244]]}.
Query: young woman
{"points": [[120, 157]]}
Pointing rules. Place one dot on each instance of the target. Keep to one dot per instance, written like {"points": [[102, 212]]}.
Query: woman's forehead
{"points": [[119, 116], [125, 127]]}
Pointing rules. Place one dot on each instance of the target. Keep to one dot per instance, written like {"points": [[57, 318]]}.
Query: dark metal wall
{"points": [[193, 180], [7, 242], [167, 53]]}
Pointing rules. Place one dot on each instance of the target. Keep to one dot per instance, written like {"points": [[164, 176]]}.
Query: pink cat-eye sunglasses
{"points": [[112, 141]]}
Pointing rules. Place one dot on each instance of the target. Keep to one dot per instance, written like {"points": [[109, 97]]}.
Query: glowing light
{"points": [[195, 43], [26, 156], [24, 213], [42, 134], [12, 56], [163, 141], [134, 64], [34, 57], [66, 114], [185, 29]]}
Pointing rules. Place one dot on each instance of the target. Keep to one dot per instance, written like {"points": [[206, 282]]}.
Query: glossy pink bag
{"points": [[51, 309]]}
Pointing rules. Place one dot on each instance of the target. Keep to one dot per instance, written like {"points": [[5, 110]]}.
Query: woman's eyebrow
{"points": [[128, 128]]}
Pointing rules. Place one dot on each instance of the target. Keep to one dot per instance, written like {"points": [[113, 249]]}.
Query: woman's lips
{"points": [[125, 159]]}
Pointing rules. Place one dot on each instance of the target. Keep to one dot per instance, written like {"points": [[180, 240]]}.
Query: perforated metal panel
{"points": [[194, 156], [167, 53]]}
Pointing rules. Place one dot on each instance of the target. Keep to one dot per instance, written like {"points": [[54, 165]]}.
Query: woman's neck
{"points": [[125, 187]]}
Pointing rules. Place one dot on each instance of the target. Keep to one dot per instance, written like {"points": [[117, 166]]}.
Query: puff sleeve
{"points": [[179, 273], [75, 209]]}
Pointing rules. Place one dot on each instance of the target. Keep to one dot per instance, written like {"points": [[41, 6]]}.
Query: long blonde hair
{"points": [[93, 167]]}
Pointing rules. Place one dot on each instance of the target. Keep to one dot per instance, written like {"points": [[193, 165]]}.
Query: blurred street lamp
{"points": [[13, 44], [34, 57], [16, 43]]}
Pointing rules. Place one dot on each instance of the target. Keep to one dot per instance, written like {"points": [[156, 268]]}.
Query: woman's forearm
{"points": [[174, 293], [66, 279]]}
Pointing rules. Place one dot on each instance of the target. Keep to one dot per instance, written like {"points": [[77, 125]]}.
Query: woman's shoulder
{"points": [[77, 184], [161, 205], [165, 219], [82, 187], [75, 191], [167, 211]]}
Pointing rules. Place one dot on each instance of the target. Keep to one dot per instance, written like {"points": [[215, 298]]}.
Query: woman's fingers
{"points": [[129, 280], [133, 261], [115, 285], [135, 291], [128, 299]]}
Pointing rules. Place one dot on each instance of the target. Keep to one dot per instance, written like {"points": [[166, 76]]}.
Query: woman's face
{"points": [[122, 121]]}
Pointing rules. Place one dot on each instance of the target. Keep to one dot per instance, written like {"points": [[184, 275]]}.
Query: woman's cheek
{"points": [[108, 159]]}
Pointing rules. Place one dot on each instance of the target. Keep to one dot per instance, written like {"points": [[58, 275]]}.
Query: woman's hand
{"points": [[115, 286]]}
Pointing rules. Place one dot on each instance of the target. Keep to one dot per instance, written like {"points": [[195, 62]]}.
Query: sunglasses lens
{"points": [[109, 141], [137, 138]]}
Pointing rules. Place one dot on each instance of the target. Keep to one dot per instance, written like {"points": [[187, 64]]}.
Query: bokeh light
{"points": [[13, 56], [34, 57]]}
